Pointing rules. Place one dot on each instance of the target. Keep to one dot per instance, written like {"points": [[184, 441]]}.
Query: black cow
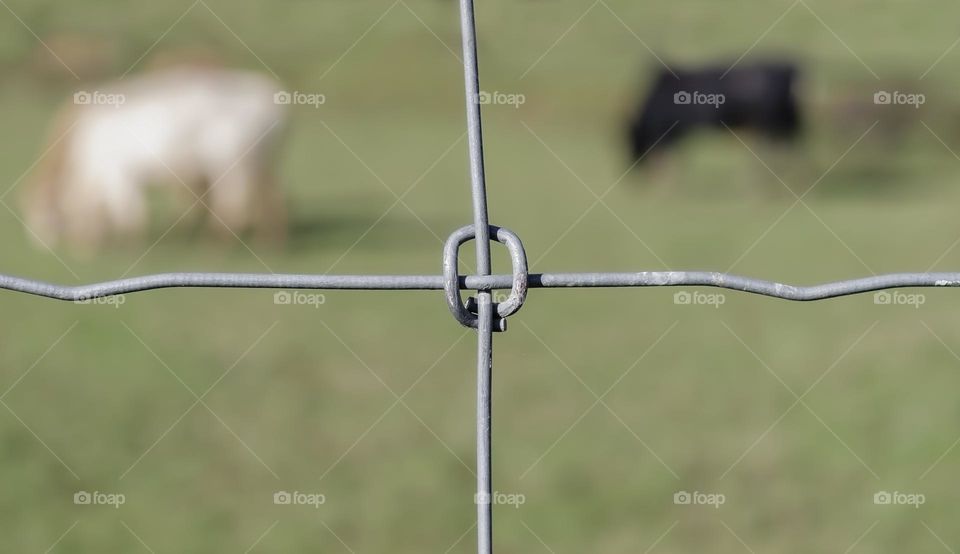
{"points": [[759, 97]]}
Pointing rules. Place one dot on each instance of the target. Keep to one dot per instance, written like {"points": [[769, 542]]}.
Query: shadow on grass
{"points": [[314, 232], [337, 232], [865, 180]]}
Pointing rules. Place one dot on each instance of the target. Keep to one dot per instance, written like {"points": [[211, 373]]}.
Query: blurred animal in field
{"points": [[758, 97], [210, 132]]}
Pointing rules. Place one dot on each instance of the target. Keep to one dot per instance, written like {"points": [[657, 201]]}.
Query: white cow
{"points": [[213, 132]]}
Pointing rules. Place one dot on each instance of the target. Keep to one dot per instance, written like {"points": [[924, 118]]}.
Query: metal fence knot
{"points": [[466, 314]]}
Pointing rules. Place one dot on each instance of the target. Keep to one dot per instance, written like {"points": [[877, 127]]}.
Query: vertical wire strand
{"points": [[471, 76], [475, 136], [484, 421]]}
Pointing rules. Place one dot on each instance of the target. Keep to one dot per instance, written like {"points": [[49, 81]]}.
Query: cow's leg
{"points": [[231, 201], [43, 220], [84, 219], [191, 199], [662, 174], [126, 210], [272, 216]]}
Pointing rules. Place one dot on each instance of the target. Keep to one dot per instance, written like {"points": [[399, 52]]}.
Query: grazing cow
{"points": [[757, 97], [211, 132]]}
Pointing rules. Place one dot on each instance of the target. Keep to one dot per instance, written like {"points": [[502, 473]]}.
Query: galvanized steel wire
{"points": [[479, 283], [484, 320]]}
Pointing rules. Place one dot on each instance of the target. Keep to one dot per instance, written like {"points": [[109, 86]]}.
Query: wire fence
{"points": [[480, 312]]}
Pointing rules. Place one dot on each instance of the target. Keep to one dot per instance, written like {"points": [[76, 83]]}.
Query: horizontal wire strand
{"points": [[478, 282]]}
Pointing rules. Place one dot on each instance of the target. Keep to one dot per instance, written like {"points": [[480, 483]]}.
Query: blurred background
{"points": [[781, 422]]}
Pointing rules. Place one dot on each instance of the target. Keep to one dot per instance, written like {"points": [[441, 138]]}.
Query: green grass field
{"points": [[198, 406]]}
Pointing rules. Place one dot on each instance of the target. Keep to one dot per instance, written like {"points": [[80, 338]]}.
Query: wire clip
{"points": [[467, 314]]}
